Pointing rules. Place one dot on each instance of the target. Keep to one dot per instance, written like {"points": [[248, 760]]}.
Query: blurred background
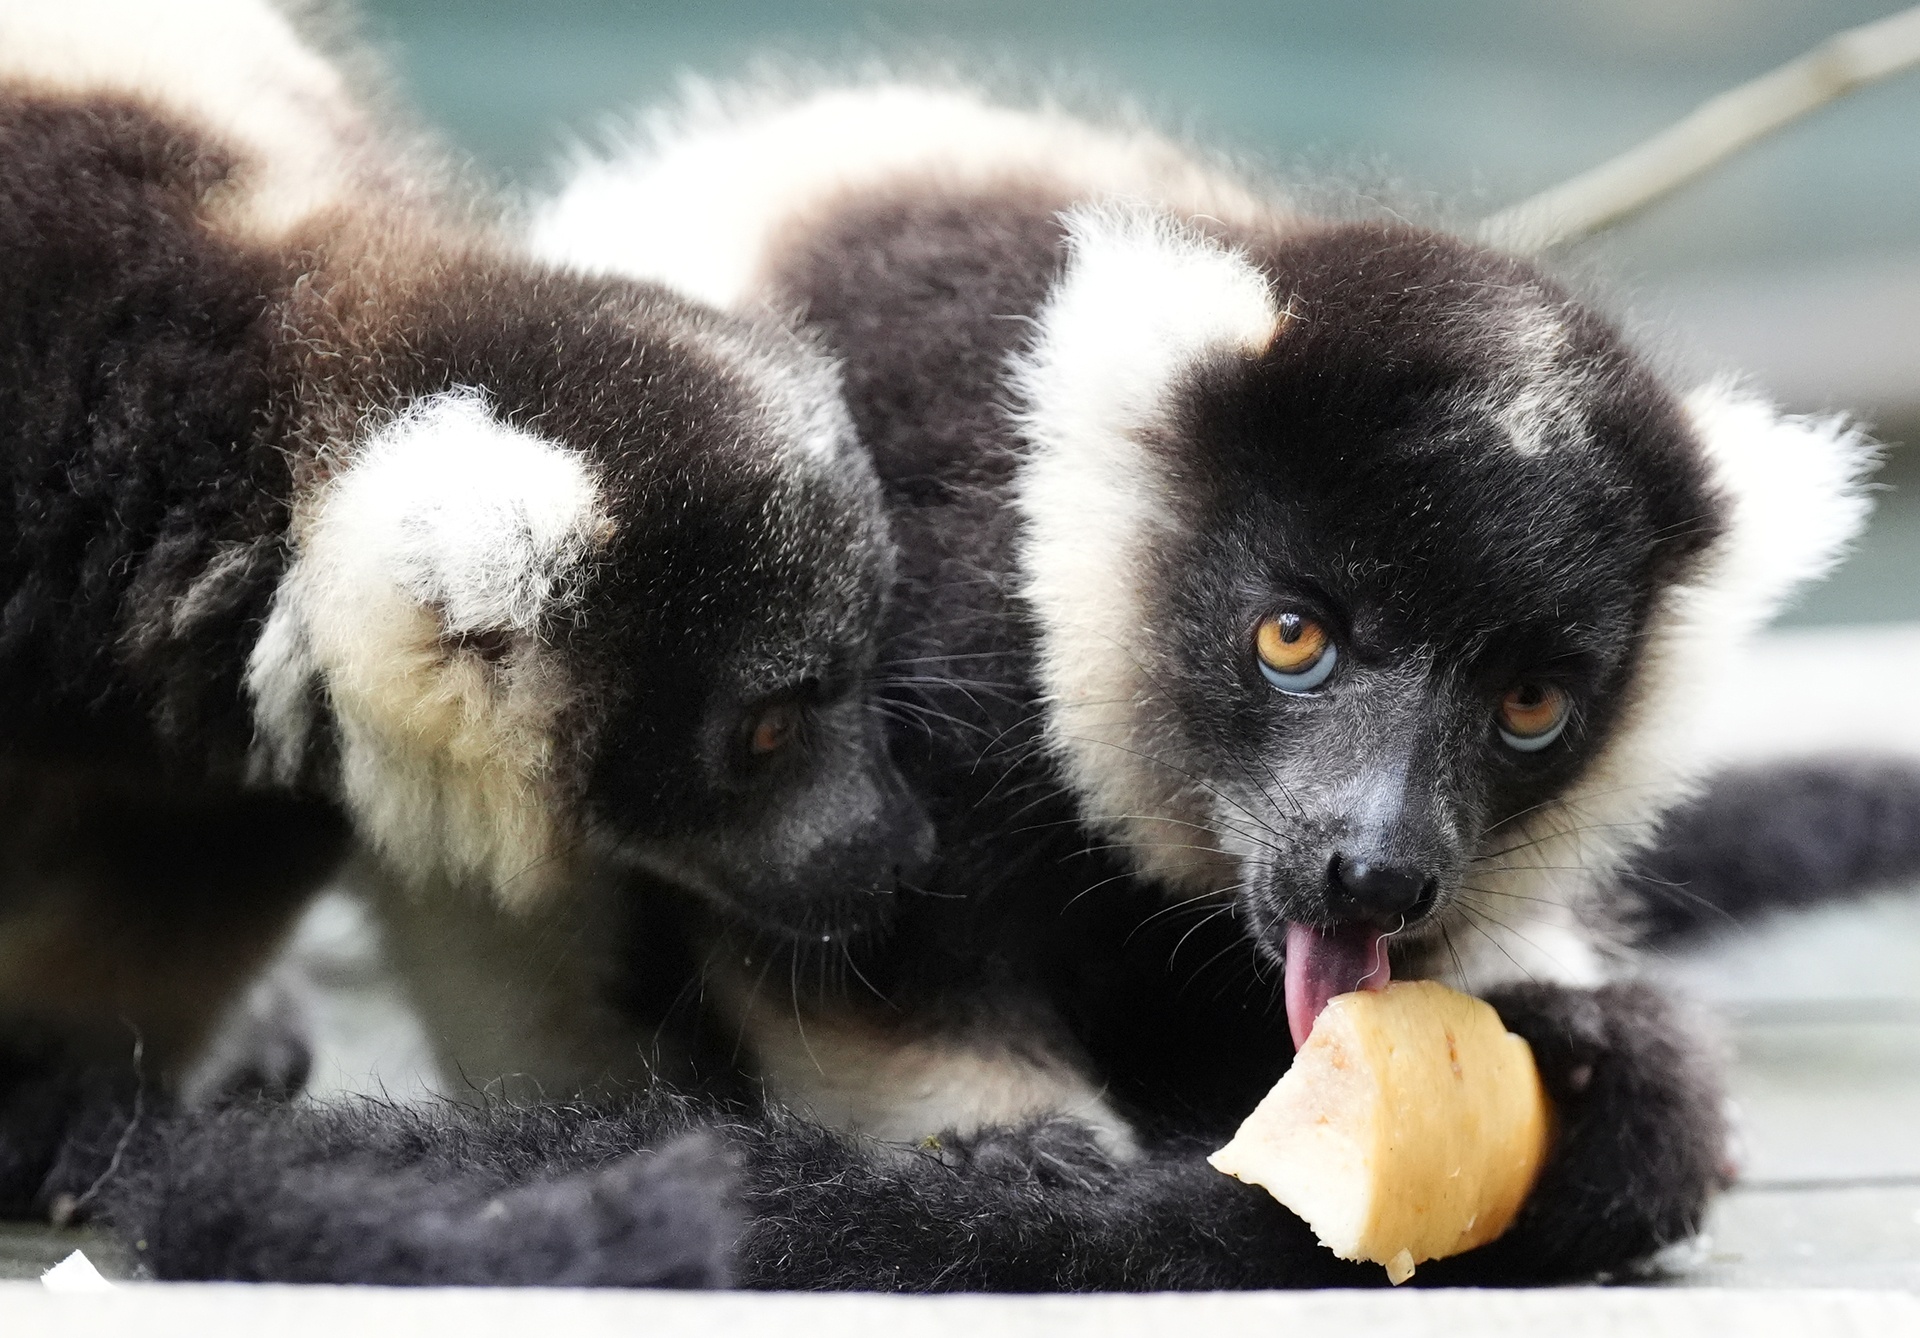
{"points": [[1799, 262]]}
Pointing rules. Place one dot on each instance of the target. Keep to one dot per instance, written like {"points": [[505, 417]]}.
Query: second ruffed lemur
{"points": [[334, 518], [1344, 577], [1292, 601]]}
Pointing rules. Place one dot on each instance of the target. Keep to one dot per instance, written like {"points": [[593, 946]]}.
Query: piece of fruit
{"points": [[1411, 1127]]}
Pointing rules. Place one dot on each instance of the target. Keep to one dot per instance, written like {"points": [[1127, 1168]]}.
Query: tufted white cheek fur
{"points": [[1794, 499], [446, 523], [1144, 300], [1796, 486]]}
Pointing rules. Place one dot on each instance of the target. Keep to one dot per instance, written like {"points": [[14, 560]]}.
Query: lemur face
{"points": [[1398, 575], [781, 804], [604, 581], [1429, 524]]}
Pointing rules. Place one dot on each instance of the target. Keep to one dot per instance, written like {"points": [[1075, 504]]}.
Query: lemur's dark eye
{"points": [[1532, 715], [1295, 653], [773, 728]]}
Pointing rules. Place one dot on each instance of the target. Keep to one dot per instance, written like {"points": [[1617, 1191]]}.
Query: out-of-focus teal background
{"points": [[1799, 262]]}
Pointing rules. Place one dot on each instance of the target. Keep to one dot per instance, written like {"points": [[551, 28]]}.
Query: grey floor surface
{"points": [[1823, 1015], [289, 1312]]}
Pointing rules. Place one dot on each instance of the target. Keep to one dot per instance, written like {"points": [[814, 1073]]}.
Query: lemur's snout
{"points": [[1383, 874], [1362, 889]]}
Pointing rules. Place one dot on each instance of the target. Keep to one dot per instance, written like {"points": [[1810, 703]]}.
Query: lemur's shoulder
{"points": [[750, 169], [294, 127]]}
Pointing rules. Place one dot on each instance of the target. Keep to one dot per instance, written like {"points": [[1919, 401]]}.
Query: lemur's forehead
{"points": [[1455, 452], [1433, 420], [632, 375], [1438, 559], [1384, 319], [732, 435]]}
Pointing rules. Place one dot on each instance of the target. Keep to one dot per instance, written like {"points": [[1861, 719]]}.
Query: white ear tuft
{"points": [[1143, 298], [446, 520], [1796, 486], [483, 523]]}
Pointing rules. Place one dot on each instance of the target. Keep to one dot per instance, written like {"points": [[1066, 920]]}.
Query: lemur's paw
{"points": [[1639, 1151], [1054, 1153]]}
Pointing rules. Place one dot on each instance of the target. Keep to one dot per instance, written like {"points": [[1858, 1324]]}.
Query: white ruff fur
{"points": [[514, 1000], [1794, 495], [234, 68], [446, 522], [698, 199], [853, 1076], [1144, 300]]}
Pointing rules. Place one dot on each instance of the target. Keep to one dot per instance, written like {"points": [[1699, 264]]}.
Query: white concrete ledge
{"points": [[1819, 689], [167, 1311]]}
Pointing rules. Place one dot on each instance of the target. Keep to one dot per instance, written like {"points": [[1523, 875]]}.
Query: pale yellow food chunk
{"points": [[1411, 1127]]}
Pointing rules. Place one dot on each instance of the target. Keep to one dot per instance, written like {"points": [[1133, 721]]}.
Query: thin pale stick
{"points": [[1715, 131]]}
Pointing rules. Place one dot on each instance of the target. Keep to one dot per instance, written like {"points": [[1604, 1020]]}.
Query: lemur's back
{"points": [[134, 400]]}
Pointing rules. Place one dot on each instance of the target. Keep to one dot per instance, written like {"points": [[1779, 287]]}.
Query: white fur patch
{"points": [[1144, 300], [1543, 400], [697, 198], [1795, 499], [446, 522], [488, 524], [1795, 483], [233, 67], [853, 1076]]}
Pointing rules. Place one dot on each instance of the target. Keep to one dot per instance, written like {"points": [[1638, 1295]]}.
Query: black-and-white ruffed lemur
{"points": [[1286, 601], [332, 518]]}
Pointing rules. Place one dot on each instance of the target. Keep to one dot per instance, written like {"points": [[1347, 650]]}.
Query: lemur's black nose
{"points": [[1359, 889]]}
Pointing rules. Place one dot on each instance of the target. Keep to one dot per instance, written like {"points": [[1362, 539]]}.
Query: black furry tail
{"points": [[373, 1194], [671, 1191], [1779, 836], [660, 1193], [262, 1191]]}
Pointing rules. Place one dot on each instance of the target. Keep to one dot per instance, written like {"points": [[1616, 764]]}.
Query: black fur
{"points": [[133, 380], [568, 1195], [385, 1199], [1353, 470], [179, 386], [1030, 936], [1775, 837]]}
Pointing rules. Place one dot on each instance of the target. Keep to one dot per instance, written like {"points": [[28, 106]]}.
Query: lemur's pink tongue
{"points": [[1324, 962]]}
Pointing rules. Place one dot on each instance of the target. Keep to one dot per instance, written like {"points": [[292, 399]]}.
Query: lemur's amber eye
{"points": [[1295, 652], [774, 728], [1532, 715]]}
